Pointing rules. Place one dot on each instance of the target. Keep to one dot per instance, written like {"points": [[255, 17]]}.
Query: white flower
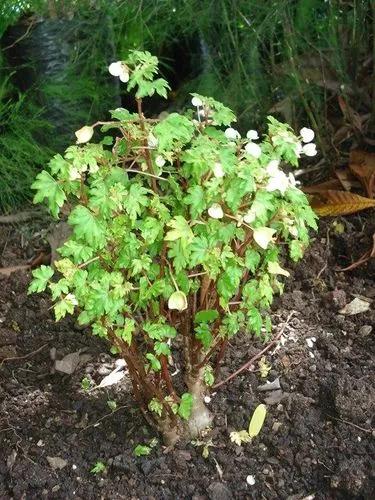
{"points": [[249, 217], [84, 134], [124, 77], [74, 175], [218, 170], [253, 149], [252, 135], [278, 182], [152, 141], [309, 149], [273, 167], [119, 69], [292, 180], [215, 211], [159, 161], [298, 149], [307, 134], [232, 134], [72, 299], [196, 102]]}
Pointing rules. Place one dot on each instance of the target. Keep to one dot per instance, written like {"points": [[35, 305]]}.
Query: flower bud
{"points": [[84, 134], [159, 161], [249, 217], [152, 141], [232, 134], [218, 170], [196, 102], [215, 211], [252, 135], [178, 301], [253, 149]]}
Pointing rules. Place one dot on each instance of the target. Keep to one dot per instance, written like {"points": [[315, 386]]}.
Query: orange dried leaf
{"points": [[330, 202], [322, 186]]}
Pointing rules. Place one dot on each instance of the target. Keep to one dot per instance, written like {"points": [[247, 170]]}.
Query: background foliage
{"points": [[309, 62]]}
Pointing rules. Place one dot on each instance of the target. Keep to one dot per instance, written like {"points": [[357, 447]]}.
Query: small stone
{"points": [[218, 491], [55, 488], [310, 343], [207, 399], [276, 426], [311, 354], [40, 443], [365, 330], [312, 368], [104, 370], [57, 462], [274, 397]]}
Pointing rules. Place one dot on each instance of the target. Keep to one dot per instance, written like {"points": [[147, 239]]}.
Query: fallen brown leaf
{"points": [[362, 164], [7, 271], [323, 186], [347, 179], [331, 202]]}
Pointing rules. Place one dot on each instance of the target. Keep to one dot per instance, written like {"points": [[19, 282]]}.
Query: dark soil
{"points": [[318, 438]]}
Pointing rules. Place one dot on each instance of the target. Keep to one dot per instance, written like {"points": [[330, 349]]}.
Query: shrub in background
{"points": [[178, 227]]}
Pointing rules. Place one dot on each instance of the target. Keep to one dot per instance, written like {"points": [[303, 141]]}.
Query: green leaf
{"points": [[255, 320], [47, 187], [186, 406], [154, 362], [78, 251], [41, 276], [206, 316], [150, 229], [87, 227], [63, 307], [159, 331], [257, 420], [62, 286], [208, 375], [196, 200], [180, 230], [142, 450], [295, 250], [155, 406], [126, 333], [162, 348], [252, 259], [136, 200], [123, 114], [174, 132], [203, 333], [229, 282]]}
